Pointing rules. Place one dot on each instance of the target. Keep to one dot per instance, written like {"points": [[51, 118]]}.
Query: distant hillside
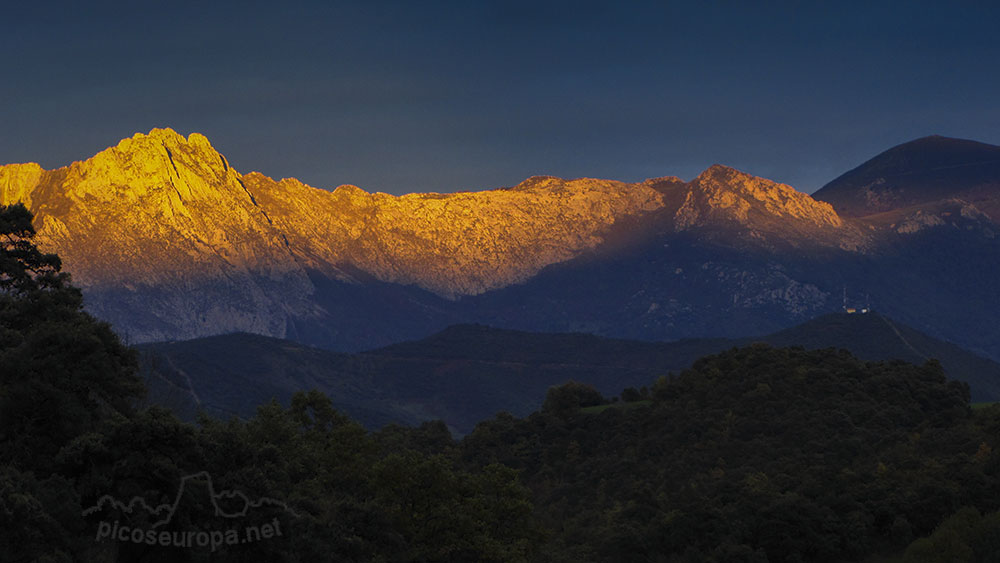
{"points": [[757, 454], [467, 373], [876, 337], [232, 374], [486, 344], [461, 375]]}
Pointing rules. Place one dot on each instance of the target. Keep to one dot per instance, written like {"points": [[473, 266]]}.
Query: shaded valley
{"points": [[468, 373]]}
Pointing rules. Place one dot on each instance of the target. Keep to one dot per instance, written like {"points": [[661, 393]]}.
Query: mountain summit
{"points": [[164, 238], [920, 171], [727, 199]]}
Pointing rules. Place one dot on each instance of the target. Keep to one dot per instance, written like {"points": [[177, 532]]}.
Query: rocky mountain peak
{"points": [[162, 213], [721, 193], [162, 164]]}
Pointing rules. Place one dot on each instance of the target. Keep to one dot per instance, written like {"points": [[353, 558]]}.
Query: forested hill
{"points": [[468, 373], [873, 336], [757, 454]]}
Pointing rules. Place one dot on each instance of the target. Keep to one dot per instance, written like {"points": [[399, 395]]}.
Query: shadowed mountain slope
{"points": [[921, 171], [467, 373]]}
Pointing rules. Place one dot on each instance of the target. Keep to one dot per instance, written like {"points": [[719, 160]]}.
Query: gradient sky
{"points": [[445, 96]]}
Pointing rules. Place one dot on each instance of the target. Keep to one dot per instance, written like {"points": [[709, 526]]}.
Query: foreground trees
{"points": [[61, 371], [72, 439], [755, 455]]}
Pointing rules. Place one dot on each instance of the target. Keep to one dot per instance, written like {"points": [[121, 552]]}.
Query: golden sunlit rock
{"points": [[453, 244], [161, 211], [732, 194], [17, 181]]}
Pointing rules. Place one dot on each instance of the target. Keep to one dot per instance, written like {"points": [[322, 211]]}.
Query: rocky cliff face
{"points": [[751, 209], [730, 195], [452, 244], [169, 241], [164, 239]]}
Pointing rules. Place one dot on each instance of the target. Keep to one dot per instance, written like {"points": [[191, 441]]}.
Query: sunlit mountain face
{"points": [[169, 242]]}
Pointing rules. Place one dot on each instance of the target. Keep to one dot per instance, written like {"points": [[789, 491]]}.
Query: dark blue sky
{"points": [[445, 96]]}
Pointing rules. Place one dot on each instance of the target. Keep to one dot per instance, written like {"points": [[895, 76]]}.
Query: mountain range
{"points": [[467, 373], [169, 242]]}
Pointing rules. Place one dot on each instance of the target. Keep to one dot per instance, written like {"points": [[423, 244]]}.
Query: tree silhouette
{"points": [[61, 370], [23, 268]]}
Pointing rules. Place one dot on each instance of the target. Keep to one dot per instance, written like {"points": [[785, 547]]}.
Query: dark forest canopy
{"points": [[71, 434], [755, 454]]}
